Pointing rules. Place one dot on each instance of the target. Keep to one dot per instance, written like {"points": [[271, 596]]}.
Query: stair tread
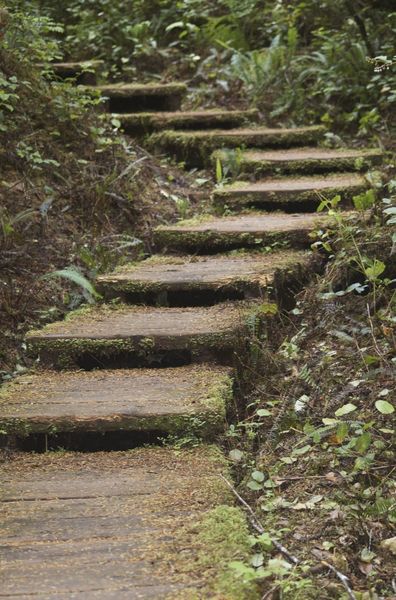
{"points": [[140, 321], [178, 119], [252, 230], [195, 147], [249, 223], [122, 90], [244, 131], [291, 192], [144, 334], [185, 273], [305, 160], [75, 65], [307, 153], [134, 399], [80, 524], [189, 113], [289, 184]]}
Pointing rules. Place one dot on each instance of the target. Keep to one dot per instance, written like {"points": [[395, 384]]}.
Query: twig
{"points": [[281, 548], [268, 594], [343, 578], [257, 525], [302, 477], [373, 333], [132, 165]]}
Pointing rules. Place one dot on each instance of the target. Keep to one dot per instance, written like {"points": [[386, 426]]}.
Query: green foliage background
{"points": [[291, 58]]}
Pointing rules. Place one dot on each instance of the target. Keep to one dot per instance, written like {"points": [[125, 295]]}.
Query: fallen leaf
{"points": [[309, 504], [367, 555], [365, 568], [333, 477], [337, 515]]}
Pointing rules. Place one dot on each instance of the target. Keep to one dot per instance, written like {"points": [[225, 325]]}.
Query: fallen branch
{"points": [[343, 578], [258, 527], [281, 548]]}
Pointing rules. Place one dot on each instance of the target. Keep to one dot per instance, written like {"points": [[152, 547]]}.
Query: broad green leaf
{"points": [[269, 308], [76, 277], [257, 560], [265, 541], [370, 359], [364, 201], [255, 486], [376, 269], [367, 555], [301, 451], [363, 442], [278, 566], [258, 476], [288, 460], [263, 412], [384, 407], [342, 431], [236, 455], [345, 410]]}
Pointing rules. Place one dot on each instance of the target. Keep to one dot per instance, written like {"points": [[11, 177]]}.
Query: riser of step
{"points": [[147, 122], [170, 401], [85, 72], [129, 98], [299, 161], [253, 230], [303, 193], [195, 147], [130, 336]]}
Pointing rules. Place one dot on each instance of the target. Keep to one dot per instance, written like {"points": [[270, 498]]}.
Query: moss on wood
{"points": [[364, 160], [195, 147], [240, 194], [146, 122]]}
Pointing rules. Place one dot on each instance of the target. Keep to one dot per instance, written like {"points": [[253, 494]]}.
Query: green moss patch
{"points": [[131, 90], [149, 121], [306, 161], [143, 334], [293, 192], [195, 147], [222, 536]]}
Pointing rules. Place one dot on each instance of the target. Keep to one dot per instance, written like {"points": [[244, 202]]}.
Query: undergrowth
{"points": [[300, 61], [75, 196], [315, 453]]}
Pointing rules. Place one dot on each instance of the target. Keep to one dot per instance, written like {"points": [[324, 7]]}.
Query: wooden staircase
{"points": [[125, 524]]}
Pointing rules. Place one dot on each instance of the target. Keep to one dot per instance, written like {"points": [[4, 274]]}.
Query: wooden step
{"points": [[185, 279], [298, 160], [120, 335], [170, 401], [85, 72], [138, 97], [195, 147], [119, 525], [253, 230], [291, 193], [146, 122]]}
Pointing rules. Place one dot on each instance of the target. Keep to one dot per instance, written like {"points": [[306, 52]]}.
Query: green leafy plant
{"points": [[75, 276]]}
